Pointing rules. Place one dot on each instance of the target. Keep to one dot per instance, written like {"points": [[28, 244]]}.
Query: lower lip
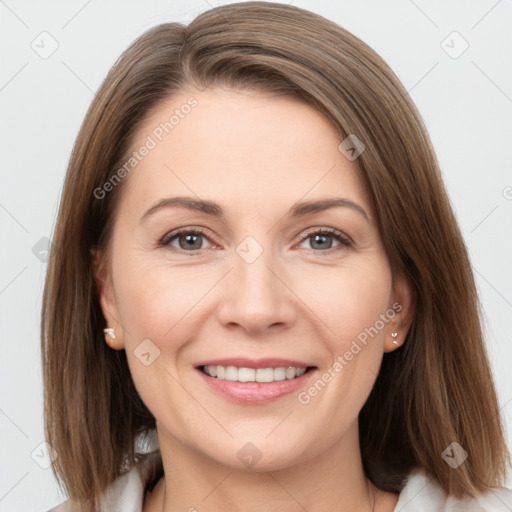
{"points": [[255, 392]]}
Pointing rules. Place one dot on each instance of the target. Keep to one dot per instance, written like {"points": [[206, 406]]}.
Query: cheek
{"points": [[349, 299], [351, 302], [157, 304], [155, 299], [354, 306]]}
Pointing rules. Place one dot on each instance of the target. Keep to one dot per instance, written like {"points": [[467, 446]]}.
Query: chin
{"points": [[259, 457]]}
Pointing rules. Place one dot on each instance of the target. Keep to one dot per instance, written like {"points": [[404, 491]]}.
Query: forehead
{"points": [[240, 148]]}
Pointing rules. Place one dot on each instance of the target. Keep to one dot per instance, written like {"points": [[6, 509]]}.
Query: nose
{"points": [[256, 297]]}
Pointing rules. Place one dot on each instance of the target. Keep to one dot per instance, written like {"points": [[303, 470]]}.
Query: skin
{"points": [[256, 156]]}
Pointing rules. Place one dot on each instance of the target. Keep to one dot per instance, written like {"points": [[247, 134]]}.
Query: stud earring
{"points": [[394, 335], [109, 331]]}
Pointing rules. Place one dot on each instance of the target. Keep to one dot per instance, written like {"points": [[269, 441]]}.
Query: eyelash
{"points": [[345, 242]]}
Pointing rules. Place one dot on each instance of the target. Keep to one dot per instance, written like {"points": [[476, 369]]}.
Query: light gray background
{"points": [[466, 103]]}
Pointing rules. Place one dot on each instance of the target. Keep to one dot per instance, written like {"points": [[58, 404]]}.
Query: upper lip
{"points": [[267, 362]]}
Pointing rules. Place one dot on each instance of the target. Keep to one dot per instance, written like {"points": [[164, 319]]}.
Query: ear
{"points": [[106, 296], [402, 304]]}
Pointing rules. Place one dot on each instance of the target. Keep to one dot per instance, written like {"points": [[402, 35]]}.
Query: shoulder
{"points": [[422, 493], [126, 493], [66, 506]]}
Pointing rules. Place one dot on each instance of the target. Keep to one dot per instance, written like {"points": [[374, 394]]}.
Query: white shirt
{"points": [[421, 493]]}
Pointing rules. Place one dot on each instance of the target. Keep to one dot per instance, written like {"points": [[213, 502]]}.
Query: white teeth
{"points": [[280, 373], [234, 374], [290, 372], [264, 375], [231, 373], [246, 374]]}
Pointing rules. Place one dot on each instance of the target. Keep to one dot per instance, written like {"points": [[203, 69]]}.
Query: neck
{"points": [[331, 480]]}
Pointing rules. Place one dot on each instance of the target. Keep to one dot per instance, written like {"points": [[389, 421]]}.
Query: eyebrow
{"points": [[214, 209]]}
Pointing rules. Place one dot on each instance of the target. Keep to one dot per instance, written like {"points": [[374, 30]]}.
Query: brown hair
{"points": [[434, 390]]}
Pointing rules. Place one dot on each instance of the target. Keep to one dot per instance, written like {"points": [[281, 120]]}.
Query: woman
{"points": [[262, 371]]}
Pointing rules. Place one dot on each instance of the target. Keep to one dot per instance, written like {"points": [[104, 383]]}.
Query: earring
{"points": [[110, 332], [394, 335]]}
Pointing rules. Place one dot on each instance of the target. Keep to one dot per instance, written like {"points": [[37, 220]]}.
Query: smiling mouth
{"points": [[261, 375]]}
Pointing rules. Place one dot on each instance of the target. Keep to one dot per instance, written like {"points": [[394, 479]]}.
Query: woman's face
{"points": [[271, 281]]}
